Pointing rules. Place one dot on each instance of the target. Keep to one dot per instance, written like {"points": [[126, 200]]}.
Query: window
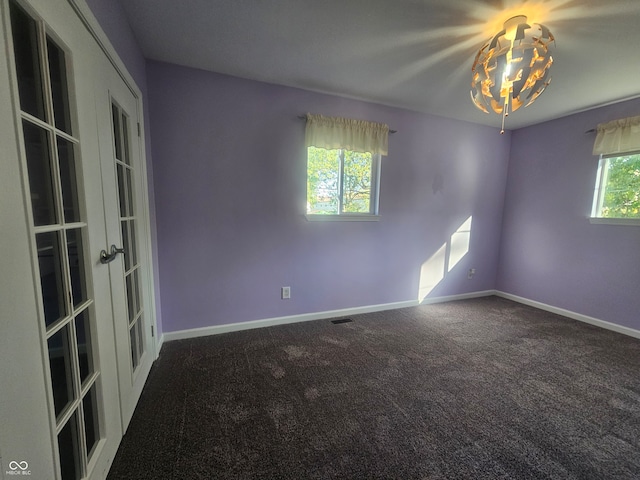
{"points": [[617, 191], [343, 167], [616, 198], [342, 182]]}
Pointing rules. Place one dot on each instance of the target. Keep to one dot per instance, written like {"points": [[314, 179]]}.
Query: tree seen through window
{"points": [[620, 185], [339, 182]]}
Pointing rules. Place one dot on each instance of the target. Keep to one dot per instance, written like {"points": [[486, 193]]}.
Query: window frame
{"points": [[374, 198], [599, 191]]}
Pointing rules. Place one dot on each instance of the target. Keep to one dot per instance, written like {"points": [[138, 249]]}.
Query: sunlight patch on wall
{"points": [[460, 243], [436, 268], [432, 272]]}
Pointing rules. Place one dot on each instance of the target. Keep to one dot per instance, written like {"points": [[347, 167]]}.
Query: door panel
{"points": [[121, 164], [61, 224], [57, 343]]}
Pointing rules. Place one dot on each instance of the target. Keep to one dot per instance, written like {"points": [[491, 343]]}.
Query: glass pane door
{"points": [[52, 154], [128, 228], [123, 191]]}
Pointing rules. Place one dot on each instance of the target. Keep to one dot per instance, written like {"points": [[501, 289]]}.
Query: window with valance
{"points": [[343, 167]]}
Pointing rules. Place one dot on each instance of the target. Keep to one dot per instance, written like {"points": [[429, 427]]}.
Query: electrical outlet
{"points": [[472, 272], [286, 292]]}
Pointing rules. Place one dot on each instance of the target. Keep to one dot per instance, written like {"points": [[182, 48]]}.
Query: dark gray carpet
{"points": [[478, 389]]}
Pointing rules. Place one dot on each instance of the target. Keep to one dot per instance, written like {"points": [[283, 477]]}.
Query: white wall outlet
{"points": [[472, 272], [286, 292]]}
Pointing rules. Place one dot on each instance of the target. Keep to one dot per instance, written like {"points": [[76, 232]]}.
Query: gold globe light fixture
{"points": [[512, 69]]}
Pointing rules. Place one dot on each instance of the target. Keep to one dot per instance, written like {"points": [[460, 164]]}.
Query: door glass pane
{"points": [[60, 365], [67, 161], [121, 190], [125, 140], [132, 236], [36, 143], [60, 95], [48, 246], [139, 325], [136, 289], [116, 132], [25, 48], [67, 446], [83, 337], [76, 266], [131, 307], [91, 425], [124, 224], [129, 183], [134, 345]]}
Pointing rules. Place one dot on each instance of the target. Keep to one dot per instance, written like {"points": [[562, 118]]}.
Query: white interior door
{"points": [[49, 53], [75, 341], [124, 196]]}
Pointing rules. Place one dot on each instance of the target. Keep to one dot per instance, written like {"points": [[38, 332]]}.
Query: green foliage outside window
{"points": [[621, 197], [323, 181], [338, 181], [356, 182]]}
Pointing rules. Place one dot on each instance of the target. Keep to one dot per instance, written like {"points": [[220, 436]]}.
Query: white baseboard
{"points": [[269, 322], [568, 313], [462, 296], [159, 345]]}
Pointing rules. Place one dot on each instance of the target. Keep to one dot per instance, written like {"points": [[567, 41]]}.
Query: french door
{"points": [[87, 345], [123, 188]]}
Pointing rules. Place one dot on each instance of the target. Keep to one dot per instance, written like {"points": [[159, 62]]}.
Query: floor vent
{"points": [[342, 320]]}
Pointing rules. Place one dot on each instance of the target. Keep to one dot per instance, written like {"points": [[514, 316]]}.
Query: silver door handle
{"points": [[110, 257]]}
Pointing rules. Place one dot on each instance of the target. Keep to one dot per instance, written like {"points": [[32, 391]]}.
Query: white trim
{"points": [[91, 23], [598, 192], [573, 315], [160, 343], [269, 322], [615, 221], [462, 296]]}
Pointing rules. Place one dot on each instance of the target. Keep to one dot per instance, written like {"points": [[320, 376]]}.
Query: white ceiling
{"points": [[415, 54]]}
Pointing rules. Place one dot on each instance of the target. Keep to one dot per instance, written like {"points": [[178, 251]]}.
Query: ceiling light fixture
{"points": [[513, 68]]}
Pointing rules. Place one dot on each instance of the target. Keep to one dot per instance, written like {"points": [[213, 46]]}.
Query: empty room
{"points": [[351, 239]]}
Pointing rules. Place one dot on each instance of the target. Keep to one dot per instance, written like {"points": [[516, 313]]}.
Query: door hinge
{"points": [[138, 128], [153, 334]]}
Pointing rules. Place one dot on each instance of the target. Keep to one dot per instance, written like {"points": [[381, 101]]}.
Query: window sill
{"points": [[615, 221], [343, 218]]}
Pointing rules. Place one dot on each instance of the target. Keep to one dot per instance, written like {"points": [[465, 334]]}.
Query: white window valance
{"points": [[618, 136], [346, 133]]}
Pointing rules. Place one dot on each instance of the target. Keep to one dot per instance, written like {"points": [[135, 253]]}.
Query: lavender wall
{"points": [[113, 21], [550, 252], [230, 177], [229, 172]]}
